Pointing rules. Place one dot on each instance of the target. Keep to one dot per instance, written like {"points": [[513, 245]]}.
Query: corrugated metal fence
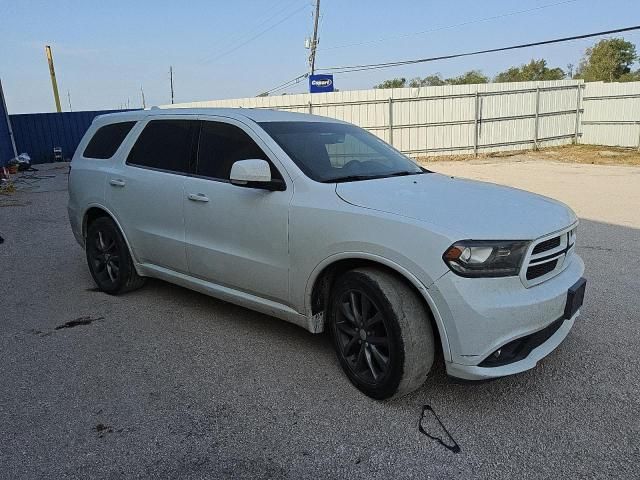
{"points": [[611, 114], [458, 119], [465, 119], [39, 133]]}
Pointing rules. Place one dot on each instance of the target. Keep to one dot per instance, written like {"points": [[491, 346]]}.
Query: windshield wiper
{"points": [[404, 173], [352, 178], [355, 178]]}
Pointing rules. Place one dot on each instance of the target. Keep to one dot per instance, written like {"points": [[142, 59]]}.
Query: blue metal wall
{"points": [[38, 133]]}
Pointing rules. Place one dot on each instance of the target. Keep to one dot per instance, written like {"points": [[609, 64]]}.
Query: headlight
{"points": [[485, 258]]}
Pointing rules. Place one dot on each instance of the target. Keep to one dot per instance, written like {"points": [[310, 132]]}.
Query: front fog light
{"points": [[485, 258]]}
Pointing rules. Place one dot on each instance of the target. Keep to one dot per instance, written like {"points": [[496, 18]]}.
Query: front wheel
{"points": [[108, 257], [381, 333]]}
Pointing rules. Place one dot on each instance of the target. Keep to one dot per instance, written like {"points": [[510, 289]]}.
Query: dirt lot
{"points": [[165, 382], [593, 154]]}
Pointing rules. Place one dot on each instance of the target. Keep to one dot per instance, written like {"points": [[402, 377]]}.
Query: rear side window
{"points": [[165, 145], [222, 144], [107, 139]]}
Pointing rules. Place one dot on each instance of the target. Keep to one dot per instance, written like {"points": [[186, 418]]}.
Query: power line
{"points": [[259, 34], [286, 84], [230, 41], [446, 27], [374, 66]]}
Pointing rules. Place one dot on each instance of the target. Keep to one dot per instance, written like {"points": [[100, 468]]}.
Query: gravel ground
{"points": [[165, 382]]}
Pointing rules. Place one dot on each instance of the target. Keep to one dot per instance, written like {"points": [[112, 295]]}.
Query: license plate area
{"points": [[575, 298]]}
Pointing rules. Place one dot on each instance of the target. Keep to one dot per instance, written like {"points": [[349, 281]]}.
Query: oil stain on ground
{"points": [[78, 321]]}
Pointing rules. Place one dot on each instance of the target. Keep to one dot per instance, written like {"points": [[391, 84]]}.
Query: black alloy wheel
{"points": [[381, 332], [103, 254], [362, 336], [108, 257]]}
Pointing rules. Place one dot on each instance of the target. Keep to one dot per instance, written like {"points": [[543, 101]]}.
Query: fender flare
{"points": [[115, 220], [406, 274]]}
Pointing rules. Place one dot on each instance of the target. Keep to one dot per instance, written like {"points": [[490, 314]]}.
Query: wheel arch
{"points": [[324, 275], [96, 211]]}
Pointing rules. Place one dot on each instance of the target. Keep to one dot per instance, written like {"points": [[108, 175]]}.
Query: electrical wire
{"points": [[257, 35], [446, 27], [241, 35], [375, 66], [284, 85]]}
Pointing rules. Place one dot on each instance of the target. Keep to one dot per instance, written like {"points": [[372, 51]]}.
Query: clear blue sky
{"points": [[105, 50]]}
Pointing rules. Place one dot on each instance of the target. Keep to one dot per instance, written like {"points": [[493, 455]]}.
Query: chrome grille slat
{"points": [[548, 257]]}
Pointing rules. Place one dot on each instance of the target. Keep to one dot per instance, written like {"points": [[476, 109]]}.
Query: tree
{"points": [[608, 60], [428, 81], [393, 83], [532, 71], [470, 77]]}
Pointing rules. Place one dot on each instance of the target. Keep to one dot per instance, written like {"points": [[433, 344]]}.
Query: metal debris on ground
{"points": [[101, 428], [426, 422]]}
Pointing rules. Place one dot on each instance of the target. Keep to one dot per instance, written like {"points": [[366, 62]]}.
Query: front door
{"points": [[236, 236]]}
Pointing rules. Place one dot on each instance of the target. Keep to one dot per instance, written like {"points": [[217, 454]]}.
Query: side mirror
{"points": [[254, 173]]}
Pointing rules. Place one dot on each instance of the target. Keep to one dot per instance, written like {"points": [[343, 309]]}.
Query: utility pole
{"points": [[52, 73], [69, 98], [171, 81], [6, 113], [314, 40], [144, 105]]}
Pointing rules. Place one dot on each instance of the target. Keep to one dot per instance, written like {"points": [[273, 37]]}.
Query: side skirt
{"points": [[237, 297]]}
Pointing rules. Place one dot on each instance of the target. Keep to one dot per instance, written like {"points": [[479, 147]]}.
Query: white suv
{"points": [[322, 224]]}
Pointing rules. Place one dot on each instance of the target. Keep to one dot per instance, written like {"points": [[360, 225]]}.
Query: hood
{"points": [[467, 209]]}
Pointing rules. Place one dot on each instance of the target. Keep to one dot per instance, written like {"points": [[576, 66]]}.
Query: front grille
{"points": [[535, 271], [548, 257], [546, 245]]}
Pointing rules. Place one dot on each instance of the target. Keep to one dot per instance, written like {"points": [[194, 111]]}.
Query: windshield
{"points": [[339, 152]]}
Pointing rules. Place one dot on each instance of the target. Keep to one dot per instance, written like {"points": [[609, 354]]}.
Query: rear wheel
{"points": [[381, 332], [109, 260]]}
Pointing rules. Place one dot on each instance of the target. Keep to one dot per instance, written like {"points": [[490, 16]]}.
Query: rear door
{"points": [[236, 236], [147, 191]]}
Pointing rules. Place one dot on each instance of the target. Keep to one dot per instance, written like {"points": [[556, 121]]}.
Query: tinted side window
{"points": [[165, 145], [107, 139], [221, 144]]}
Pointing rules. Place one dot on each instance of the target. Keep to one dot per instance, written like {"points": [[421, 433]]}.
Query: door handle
{"points": [[117, 182], [198, 197]]}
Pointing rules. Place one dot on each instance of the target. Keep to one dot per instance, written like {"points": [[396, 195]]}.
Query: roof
{"points": [[255, 114]]}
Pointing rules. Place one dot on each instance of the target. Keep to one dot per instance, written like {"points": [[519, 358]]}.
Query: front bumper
{"points": [[483, 315], [474, 372]]}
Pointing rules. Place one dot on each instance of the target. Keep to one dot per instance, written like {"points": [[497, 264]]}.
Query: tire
{"points": [[397, 328], [108, 258]]}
